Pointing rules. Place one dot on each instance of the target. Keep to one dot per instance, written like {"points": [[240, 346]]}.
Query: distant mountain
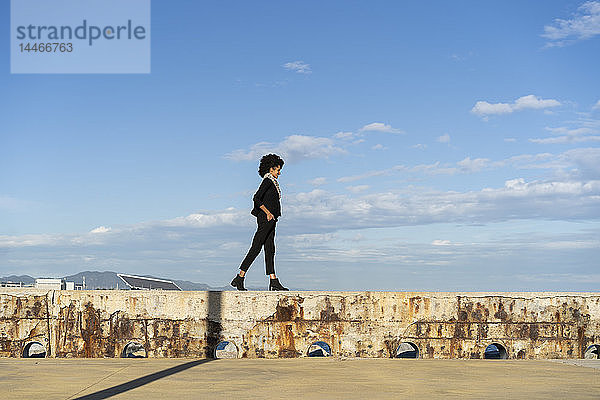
{"points": [[25, 279], [97, 280], [110, 280]]}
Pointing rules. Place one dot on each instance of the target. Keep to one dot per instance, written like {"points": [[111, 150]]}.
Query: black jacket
{"points": [[267, 194]]}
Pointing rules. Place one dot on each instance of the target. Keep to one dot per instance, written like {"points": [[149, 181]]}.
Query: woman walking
{"points": [[267, 208]]}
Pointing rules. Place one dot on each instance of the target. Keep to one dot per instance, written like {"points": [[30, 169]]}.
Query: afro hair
{"points": [[267, 162]]}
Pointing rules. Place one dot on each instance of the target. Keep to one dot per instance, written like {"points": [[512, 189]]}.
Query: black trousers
{"points": [[264, 236]]}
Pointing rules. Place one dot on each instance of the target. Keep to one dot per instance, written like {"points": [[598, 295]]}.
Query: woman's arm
{"points": [[258, 197], [269, 215]]}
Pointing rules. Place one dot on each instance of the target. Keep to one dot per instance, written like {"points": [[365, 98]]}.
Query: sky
{"points": [[428, 146]]}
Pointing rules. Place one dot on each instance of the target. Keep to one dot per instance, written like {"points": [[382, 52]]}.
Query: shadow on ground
{"points": [[144, 380]]}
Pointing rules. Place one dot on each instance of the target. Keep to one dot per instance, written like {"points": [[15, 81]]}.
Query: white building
{"points": [[56, 284], [49, 283], [14, 284]]}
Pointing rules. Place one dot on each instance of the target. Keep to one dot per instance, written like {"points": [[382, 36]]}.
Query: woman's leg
{"points": [[274, 283], [262, 232], [270, 253]]}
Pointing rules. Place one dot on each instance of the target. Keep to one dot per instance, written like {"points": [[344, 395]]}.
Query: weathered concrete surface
{"points": [[285, 324], [581, 363], [305, 378]]}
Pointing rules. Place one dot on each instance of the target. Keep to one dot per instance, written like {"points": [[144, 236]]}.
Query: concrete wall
{"points": [[98, 323]]}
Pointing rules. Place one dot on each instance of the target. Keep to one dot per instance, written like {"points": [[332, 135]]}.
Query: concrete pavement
{"points": [[306, 378]]}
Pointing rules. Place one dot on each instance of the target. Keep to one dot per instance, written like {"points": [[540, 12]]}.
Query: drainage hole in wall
{"points": [[226, 349], [319, 349], [34, 350], [407, 350], [495, 351], [592, 352], [134, 350]]}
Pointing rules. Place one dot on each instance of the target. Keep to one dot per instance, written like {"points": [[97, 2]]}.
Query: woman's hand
{"points": [[270, 216]]}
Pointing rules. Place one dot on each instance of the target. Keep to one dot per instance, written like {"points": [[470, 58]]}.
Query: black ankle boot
{"points": [[276, 285], [238, 283]]}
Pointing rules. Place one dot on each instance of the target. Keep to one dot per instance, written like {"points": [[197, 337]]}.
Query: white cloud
{"points": [[298, 66], [468, 165], [101, 229], [370, 174], [309, 240], [585, 163], [531, 161], [344, 135], [357, 188], [293, 148], [233, 246], [571, 244], [164, 231], [379, 146], [484, 109], [585, 130], [561, 278], [461, 57], [571, 131], [566, 139], [318, 181], [432, 169], [439, 242], [533, 102], [7, 241], [380, 127], [568, 164], [596, 106], [584, 25], [445, 138], [517, 199], [229, 216], [357, 238]]}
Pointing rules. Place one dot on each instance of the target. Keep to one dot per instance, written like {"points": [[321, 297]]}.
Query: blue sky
{"points": [[428, 146]]}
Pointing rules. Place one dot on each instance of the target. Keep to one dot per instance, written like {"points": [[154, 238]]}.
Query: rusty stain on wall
{"points": [[273, 325]]}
